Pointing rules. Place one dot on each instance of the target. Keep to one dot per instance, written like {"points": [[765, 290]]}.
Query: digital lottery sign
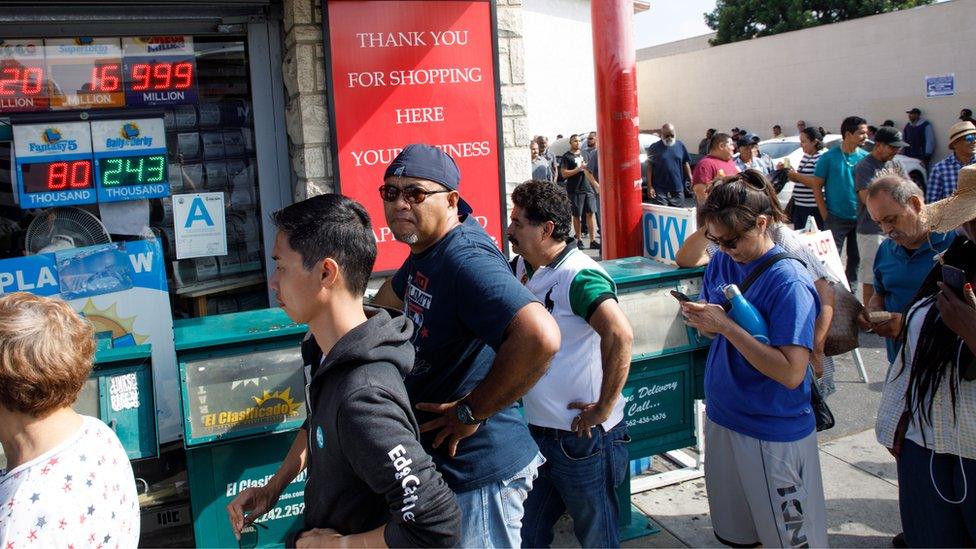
{"points": [[73, 163], [95, 73], [130, 159], [22, 83], [54, 164]]}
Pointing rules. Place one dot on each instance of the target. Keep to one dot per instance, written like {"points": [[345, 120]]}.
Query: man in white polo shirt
{"points": [[575, 412]]}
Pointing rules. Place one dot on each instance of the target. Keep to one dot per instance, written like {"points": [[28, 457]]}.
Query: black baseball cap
{"points": [[965, 114], [914, 110], [890, 136], [428, 162]]}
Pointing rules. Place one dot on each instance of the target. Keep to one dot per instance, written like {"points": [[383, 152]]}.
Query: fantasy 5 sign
{"points": [[55, 163]]}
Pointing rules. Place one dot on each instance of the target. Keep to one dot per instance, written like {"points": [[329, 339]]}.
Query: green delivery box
{"points": [[243, 393], [668, 357]]}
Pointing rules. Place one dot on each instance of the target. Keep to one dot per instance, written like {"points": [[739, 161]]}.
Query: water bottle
{"points": [[745, 314]]}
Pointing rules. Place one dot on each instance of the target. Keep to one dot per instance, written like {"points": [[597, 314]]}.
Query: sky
{"points": [[670, 20]]}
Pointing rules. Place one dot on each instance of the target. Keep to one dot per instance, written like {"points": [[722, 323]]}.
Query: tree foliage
{"points": [[735, 20]]}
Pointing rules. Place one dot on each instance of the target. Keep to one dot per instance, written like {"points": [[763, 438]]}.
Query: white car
{"points": [[783, 148]]}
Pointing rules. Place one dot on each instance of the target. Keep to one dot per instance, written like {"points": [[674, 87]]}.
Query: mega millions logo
{"points": [[268, 406], [155, 44]]}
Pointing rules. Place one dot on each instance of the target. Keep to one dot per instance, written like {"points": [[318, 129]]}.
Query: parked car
{"points": [[783, 148], [789, 147]]}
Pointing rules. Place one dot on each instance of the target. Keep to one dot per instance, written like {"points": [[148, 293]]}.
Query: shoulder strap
{"points": [[514, 265], [758, 271]]}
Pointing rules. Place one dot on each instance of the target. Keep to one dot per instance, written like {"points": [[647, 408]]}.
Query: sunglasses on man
{"points": [[412, 194]]}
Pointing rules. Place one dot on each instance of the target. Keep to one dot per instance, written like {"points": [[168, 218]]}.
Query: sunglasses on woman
{"points": [[728, 243], [412, 194]]}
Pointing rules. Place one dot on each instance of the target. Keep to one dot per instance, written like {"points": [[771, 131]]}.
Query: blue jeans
{"points": [[927, 519], [580, 476], [491, 516]]}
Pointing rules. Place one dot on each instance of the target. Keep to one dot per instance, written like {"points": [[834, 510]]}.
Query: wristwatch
{"points": [[465, 416]]}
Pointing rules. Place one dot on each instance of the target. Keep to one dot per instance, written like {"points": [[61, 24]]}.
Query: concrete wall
{"points": [[307, 113], [873, 67], [559, 66]]}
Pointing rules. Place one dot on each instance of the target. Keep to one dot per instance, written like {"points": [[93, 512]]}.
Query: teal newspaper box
{"points": [[243, 395], [122, 381], [667, 365]]}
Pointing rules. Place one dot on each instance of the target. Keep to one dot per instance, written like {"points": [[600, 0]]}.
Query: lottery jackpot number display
{"points": [[161, 76], [63, 175], [132, 170], [21, 81], [105, 78]]}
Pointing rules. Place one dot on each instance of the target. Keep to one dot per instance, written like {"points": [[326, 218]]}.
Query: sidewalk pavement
{"points": [[860, 479]]}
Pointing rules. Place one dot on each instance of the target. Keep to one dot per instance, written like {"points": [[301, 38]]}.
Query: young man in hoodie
{"points": [[370, 483]]}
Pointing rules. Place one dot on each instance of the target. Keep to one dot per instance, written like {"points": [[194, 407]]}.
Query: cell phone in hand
{"points": [[954, 278], [683, 298]]}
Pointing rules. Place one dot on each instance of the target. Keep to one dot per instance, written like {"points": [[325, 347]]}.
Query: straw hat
{"points": [[960, 129], [955, 210]]}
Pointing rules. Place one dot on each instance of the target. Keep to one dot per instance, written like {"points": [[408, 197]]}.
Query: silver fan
{"points": [[64, 228]]}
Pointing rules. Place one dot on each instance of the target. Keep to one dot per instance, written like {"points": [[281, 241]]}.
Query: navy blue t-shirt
{"points": [[461, 295], [737, 395], [668, 166]]}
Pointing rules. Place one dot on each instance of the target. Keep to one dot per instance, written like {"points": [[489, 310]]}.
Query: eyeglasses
{"points": [[730, 243], [971, 138], [412, 194]]}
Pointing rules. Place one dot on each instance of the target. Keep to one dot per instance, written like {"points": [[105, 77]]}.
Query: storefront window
{"points": [[67, 89]]}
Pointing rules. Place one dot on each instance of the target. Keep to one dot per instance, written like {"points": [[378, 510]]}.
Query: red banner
{"points": [[414, 72]]}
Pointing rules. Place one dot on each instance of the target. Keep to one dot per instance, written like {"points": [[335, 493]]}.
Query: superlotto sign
{"points": [[130, 159], [54, 164]]}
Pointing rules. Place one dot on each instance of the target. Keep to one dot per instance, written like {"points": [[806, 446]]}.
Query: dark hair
{"points": [[777, 127], [576, 135], [850, 124], [934, 359], [544, 201], [890, 123], [739, 200], [717, 139], [710, 131], [813, 134], [872, 129], [331, 225]]}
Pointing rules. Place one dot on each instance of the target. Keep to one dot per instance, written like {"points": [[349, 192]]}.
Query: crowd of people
{"points": [[414, 436]]}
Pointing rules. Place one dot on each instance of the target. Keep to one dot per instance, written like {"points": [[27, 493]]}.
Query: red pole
{"points": [[615, 68]]}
